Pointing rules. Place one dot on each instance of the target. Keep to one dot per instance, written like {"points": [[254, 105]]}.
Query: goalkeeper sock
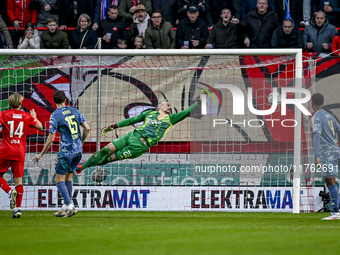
{"points": [[64, 192], [4, 185], [96, 158], [334, 194], [68, 185], [106, 160]]}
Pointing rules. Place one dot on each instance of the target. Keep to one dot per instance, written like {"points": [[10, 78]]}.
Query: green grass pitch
{"points": [[94, 232]]}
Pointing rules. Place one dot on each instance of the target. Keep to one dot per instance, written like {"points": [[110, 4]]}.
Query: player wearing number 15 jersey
{"points": [[67, 121], [15, 124]]}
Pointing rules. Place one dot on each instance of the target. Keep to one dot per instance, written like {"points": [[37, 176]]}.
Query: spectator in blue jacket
{"points": [[332, 10]]}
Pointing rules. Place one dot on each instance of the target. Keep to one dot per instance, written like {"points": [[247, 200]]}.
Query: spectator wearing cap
{"points": [[203, 8], [112, 28], [141, 21], [287, 36], [100, 10], [192, 30], [261, 24], [127, 9], [161, 34], [227, 33]]}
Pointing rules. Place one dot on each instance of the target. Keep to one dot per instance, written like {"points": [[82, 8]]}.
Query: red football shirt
{"points": [[14, 129]]}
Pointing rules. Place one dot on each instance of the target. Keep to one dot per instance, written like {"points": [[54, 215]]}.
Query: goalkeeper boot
{"points": [[61, 212], [79, 168], [12, 196], [333, 216], [16, 214], [70, 212]]}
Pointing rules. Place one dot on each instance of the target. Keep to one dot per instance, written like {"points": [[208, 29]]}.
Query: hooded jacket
{"points": [[33, 43], [19, 10], [137, 28], [318, 36], [162, 38]]}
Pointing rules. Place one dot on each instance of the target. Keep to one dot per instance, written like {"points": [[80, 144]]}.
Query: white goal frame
{"points": [[172, 52]]}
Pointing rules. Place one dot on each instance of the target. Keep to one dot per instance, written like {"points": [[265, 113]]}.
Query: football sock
{"points": [[64, 192], [68, 185], [334, 194], [4, 185], [20, 190], [96, 158], [106, 160]]}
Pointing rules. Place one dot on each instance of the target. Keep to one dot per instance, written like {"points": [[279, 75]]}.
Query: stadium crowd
{"points": [[199, 24]]}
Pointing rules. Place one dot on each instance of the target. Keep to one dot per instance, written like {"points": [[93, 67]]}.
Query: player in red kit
{"points": [[15, 124]]}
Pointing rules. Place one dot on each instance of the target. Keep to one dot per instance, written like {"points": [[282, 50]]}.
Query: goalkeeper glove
{"points": [[199, 100], [108, 129]]}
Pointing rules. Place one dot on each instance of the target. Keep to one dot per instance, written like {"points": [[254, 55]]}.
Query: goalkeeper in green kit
{"points": [[156, 125]]}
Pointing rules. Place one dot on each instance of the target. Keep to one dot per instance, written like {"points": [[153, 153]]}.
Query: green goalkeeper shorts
{"points": [[129, 146]]}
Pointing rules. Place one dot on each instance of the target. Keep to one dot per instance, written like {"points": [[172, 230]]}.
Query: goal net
{"points": [[213, 160]]}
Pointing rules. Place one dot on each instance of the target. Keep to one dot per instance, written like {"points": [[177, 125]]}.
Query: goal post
{"points": [[163, 69]]}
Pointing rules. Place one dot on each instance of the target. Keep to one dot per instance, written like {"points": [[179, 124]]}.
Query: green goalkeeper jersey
{"points": [[155, 127]]}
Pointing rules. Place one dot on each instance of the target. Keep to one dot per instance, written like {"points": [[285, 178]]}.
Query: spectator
{"points": [[261, 24], [71, 10], [216, 7], [294, 7], [83, 37], [19, 14], [248, 5], [100, 11], [122, 44], [47, 8], [307, 9], [127, 9], [141, 21], [53, 38], [319, 35], [193, 29], [287, 36], [335, 46], [227, 33], [112, 28], [332, 10], [31, 39], [6, 34], [168, 10], [3, 10], [203, 8], [139, 42], [161, 34]]}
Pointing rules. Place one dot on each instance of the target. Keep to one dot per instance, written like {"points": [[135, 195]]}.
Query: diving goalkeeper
{"points": [[132, 145]]}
